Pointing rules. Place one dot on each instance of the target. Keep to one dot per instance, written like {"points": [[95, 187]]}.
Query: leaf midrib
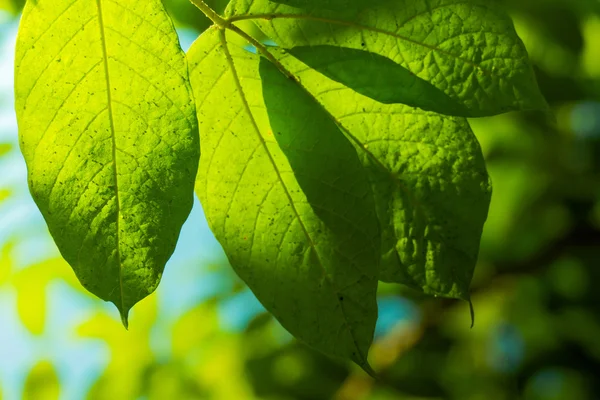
{"points": [[114, 153], [256, 129]]}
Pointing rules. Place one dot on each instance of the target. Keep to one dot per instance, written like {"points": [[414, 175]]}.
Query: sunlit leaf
{"points": [[4, 194], [5, 148], [130, 351], [42, 383], [377, 77], [31, 300], [108, 131], [31, 283], [194, 327], [285, 194], [429, 180], [467, 49], [6, 260], [12, 6], [196, 338]]}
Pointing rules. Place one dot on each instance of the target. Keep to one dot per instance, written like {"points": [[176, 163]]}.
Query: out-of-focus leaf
{"points": [[172, 381], [591, 53], [4, 194], [5, 148], [31, 299], [6, 260], [197, 338], [42, 383], [30, 283], [130, 352], [292, 371], [194, 327], [12, 6]]}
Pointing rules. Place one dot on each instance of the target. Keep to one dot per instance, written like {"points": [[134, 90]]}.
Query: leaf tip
{"points": [[472, 311], [125, 318], [369, 370]]}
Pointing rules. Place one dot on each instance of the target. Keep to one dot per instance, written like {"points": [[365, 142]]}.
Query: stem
{"points": [[263, 50], [226, 24], [210, 13]]}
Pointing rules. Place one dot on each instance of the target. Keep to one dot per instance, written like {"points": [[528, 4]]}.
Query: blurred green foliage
{"points": [[537, 329]]}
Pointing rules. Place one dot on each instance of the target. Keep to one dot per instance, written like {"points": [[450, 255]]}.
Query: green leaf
{"points": [[109, 133], [377, 77], [5, 148], [429, 180], [467, 49], [337, 5], [5, 194], [285, 194], [12, 6], [42, 382]]}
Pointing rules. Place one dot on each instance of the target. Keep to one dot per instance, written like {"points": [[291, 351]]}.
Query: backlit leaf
{"points": [[429, 180], [467, 49], [377, 77], [108, 131], [285, 194]]}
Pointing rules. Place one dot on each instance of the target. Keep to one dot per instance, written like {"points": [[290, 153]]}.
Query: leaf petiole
{"points": [[263, 50], [210, 13], [227, 24]]}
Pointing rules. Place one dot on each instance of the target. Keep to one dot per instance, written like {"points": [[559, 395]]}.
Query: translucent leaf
{"points": [[429, 180], [183, 11], [108, 131], [285, 194], [377, 77], [467, 49]]}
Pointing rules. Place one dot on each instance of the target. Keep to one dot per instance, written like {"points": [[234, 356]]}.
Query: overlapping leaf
{"points": [[285, 194], [376, 77], [109, 133], [468, 50], [429, 180], [327, 165]]}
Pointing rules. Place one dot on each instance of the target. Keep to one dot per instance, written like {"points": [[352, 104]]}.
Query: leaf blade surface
{"points": [[428, 178], [286, 196], [467, 49], [108, 131], [377, 77]]}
